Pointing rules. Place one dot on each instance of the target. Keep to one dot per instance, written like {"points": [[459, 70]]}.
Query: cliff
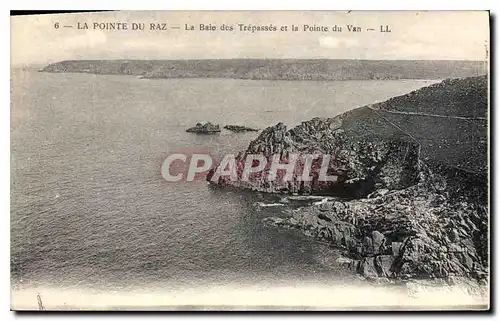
{"points": [[421, 232], [448, 119], [276, 69], [379, 146], [412, 193], [362, 162], [463, 97]]}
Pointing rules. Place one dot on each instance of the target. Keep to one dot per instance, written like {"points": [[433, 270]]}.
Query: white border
{"points": [[254, 5], [190, 5]]}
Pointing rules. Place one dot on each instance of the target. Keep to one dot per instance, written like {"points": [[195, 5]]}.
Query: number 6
{"points": [[56, 25]]}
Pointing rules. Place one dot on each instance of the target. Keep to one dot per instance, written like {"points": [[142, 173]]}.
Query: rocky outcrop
{"points": [[204, 128], [378, 146], [416, 233], [361, 163], [237, 128], [412, 187]]}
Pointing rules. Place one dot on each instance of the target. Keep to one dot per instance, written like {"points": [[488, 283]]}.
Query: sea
{"points": [[91, 212]]}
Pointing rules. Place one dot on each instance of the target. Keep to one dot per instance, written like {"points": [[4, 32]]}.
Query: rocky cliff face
{"points": [[379, 146], [408, 207], [362, 164], [416, 233]]}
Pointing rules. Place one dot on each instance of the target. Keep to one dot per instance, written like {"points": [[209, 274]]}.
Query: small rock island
{"points": [[204, 128], [238, 128]]}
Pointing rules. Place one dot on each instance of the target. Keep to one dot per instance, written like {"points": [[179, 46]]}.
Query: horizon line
{"points": [[229, 59]]}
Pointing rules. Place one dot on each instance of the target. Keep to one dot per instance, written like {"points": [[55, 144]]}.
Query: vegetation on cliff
{"points": [[375, 146], [463, 97], [448, 119]]}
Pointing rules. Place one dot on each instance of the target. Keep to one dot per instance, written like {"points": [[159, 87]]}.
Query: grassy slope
{"points": [[456, 142], [466, 97]]}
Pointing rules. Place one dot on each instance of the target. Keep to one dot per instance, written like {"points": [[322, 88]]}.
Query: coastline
{"points": [[447, 283], [407, 213], [276, 69]]}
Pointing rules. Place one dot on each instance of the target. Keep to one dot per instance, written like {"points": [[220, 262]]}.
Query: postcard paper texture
{"points": [[247, 160]]}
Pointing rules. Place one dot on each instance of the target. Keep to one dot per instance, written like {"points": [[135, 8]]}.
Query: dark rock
{"points": [[237, 128], [293, 221], [383, 265], [359, 161], [396, 247], [414, 229], [466, 260], [367, 249], [275, 221], [367, 268], [348, 264], [324, 217], [353, 266], [204, 128], [378, 242]]}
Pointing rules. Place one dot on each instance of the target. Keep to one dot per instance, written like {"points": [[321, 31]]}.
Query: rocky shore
{"points": [[406, 208], [420, 232]]}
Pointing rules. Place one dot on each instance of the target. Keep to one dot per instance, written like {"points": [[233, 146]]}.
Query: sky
{"points": [[438, 35]]}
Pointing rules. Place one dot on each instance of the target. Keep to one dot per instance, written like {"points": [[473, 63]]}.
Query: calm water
{"points": [[89, 207]]}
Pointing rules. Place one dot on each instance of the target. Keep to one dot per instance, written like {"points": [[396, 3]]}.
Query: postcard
{"points": [[250, 160]]}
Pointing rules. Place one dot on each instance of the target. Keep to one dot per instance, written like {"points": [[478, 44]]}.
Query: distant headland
{"points": [[277, 69]]}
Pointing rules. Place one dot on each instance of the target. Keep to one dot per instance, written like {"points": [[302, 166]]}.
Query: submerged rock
{"points": [[204, 127], [237, 128]]}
